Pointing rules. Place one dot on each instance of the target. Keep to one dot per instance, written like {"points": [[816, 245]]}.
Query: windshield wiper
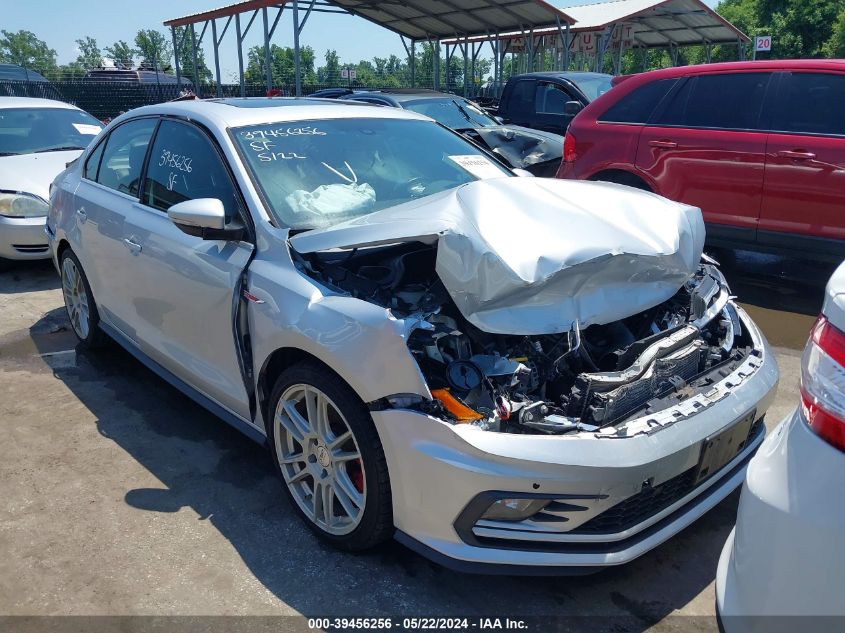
{"points": [[464, 112], [64, 148], [8, 153]]}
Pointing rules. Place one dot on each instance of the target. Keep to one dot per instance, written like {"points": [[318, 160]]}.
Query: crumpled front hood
{"points": [[532, 256], [521, 146], [33, 173]]}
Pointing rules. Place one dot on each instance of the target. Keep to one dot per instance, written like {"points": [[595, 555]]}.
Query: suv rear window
{"points": [[729, 101], [637, 106]]}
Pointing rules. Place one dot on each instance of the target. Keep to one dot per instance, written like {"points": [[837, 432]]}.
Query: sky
{"points": [[60, 23]]}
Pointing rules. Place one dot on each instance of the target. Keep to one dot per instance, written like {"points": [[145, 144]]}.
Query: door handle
{"points": [[663, 144], [82, 214], [133, 247], [795, 154]]}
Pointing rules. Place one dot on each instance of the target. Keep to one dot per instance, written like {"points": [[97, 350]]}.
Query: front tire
{"points": [[329, 456], [79, 302]]}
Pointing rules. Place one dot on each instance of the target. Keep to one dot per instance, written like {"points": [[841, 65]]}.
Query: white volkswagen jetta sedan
{"points": [[38, 137], [786, 556], [505, 373]]}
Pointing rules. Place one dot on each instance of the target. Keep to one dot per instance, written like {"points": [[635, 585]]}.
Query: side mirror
{"points": [[522, 173], [571, 108], [203, 217]]}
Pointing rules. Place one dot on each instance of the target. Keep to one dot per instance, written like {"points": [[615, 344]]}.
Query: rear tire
{"points": [[327, 452], [79, 302]]}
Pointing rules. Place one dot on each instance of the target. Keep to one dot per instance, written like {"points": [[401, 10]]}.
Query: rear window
{"points": [[811, 103], [729, 101], [637, 106]]}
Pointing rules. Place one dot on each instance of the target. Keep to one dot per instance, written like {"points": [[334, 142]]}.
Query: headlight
{"points": [[514, 509], [22, 205]]}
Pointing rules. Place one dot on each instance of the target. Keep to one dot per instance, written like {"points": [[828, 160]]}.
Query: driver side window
{"points": [[185, 165], [551, 99]]}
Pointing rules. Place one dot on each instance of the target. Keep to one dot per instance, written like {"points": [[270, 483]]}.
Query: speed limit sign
{"points": [[763, 43]]}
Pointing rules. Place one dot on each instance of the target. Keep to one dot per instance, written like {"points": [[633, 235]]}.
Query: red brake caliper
{"points": [[356, 474]]}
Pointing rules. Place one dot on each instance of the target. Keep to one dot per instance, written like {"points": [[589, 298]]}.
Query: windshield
{"points": [[317, 173], [454, 112], [32, 130], [593, 86]]}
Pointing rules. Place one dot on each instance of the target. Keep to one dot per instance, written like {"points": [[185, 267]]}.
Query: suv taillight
{"points": [[569, 152], [823, 383]]}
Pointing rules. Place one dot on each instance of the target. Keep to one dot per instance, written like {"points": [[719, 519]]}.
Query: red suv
{"points": [[758, 146]]}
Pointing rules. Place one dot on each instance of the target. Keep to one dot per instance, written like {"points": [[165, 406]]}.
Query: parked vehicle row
{"points": [[520, 147]]}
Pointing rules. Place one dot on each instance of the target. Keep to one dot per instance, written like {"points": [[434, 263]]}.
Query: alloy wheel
{"points": [[76, 298], [320, 459]]}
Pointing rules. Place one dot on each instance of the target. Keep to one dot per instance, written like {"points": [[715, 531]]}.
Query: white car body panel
{"points": [[436, 467], [786, 555]]}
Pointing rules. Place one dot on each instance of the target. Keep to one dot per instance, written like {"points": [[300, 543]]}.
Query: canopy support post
{"points": [[176, 53], [219, 90]]}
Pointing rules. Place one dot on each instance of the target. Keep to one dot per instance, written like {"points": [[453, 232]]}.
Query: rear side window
{"points": [[550, 99], [123, 157], [729, 101], [522, 98], [811, 103], [184, 165], [637, 106]]}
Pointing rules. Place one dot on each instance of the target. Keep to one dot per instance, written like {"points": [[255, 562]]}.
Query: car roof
{"points": [[726, 67], [238, 112], [405, 95], [32, 102], [572, 75]]}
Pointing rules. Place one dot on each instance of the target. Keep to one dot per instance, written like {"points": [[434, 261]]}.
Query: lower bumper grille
{"points": [[31, 248], [636, 509]]}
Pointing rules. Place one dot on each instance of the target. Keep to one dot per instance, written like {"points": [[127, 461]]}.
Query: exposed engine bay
{"points": [[581, 379]]}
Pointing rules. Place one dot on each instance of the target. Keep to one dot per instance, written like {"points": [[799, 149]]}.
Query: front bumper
{"points": [[437, 470], [23, 238], [786, 556]]}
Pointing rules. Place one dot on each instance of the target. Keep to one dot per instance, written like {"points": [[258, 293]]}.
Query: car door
{"points": [[705, 145], [804, 186], [549, 101], [106, 194], [184, 287]]}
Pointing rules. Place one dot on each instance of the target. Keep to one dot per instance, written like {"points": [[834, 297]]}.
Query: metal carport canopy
{"points": [[659, 22], [653, 23], [439, 19]]}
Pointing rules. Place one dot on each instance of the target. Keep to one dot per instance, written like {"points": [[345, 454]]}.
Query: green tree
{"points": [[330, 73], [835, 45], [281, 64], [121, 53], [186, 57], [154, 49], [89, 53], [25, 49]]}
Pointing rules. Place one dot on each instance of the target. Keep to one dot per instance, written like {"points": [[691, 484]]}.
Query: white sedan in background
{"points": [[38, 138], [786, 556], [504, 373]]}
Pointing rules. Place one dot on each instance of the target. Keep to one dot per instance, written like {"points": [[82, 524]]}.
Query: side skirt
{"points": [[224, 414]]}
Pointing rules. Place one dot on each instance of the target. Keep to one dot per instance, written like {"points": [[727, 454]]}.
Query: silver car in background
{"points": [[38, 137], [506, 374]]}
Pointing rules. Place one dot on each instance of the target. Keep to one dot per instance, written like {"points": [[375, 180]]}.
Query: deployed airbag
{"points": [[532, 256]]}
